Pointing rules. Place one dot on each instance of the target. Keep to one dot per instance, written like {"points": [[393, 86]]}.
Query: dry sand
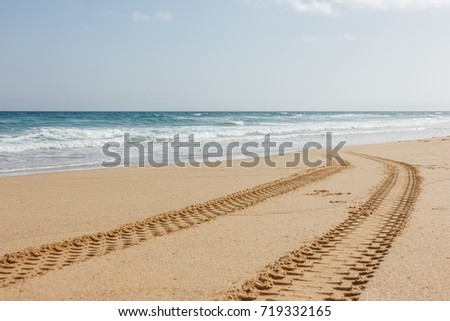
{"points": [[204, 253]]}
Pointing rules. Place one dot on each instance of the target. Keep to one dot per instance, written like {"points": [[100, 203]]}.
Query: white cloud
{"points": [[164, 15], [309, 6], [347, 36], [393, 4], [313, 6], [140, 17], [332, 7]]}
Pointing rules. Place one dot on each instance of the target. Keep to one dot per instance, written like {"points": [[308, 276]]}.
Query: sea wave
{"points": [[54, 138], [232, 123], [52, 141], [47, 168]]}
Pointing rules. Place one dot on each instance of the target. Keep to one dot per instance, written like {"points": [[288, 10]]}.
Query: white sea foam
{"points": [[49, 148], [54, 138]]}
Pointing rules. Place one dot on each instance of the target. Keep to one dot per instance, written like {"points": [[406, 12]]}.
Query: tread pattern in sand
{"points": [[337, 265], [28, 263]]}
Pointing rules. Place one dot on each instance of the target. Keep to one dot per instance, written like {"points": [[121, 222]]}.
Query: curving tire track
{"points": [[337, 265], [28, 263]]}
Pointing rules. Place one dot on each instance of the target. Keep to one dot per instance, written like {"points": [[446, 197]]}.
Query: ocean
{"points": [[33, 142]]}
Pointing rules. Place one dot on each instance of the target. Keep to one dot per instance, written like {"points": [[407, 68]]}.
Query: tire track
{"points": [[337, 265], [28, 263]]}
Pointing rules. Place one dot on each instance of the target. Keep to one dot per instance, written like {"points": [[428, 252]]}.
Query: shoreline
{"points": [[236, 158], [32, 143], [45, 208]]}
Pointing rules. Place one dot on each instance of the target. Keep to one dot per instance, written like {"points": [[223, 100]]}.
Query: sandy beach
{"points": [[376, 229]]}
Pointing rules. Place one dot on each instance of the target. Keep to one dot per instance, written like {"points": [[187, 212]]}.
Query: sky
{"points": [[228, 55]]}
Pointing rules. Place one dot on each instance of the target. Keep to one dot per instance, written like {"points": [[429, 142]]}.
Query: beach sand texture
{"points": [[376, 229]]}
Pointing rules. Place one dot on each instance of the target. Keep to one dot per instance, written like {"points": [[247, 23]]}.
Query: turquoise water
{"points": [[50, 141]]}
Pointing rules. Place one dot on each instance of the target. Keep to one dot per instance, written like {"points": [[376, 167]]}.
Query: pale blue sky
{"points": [[225, 55]]}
